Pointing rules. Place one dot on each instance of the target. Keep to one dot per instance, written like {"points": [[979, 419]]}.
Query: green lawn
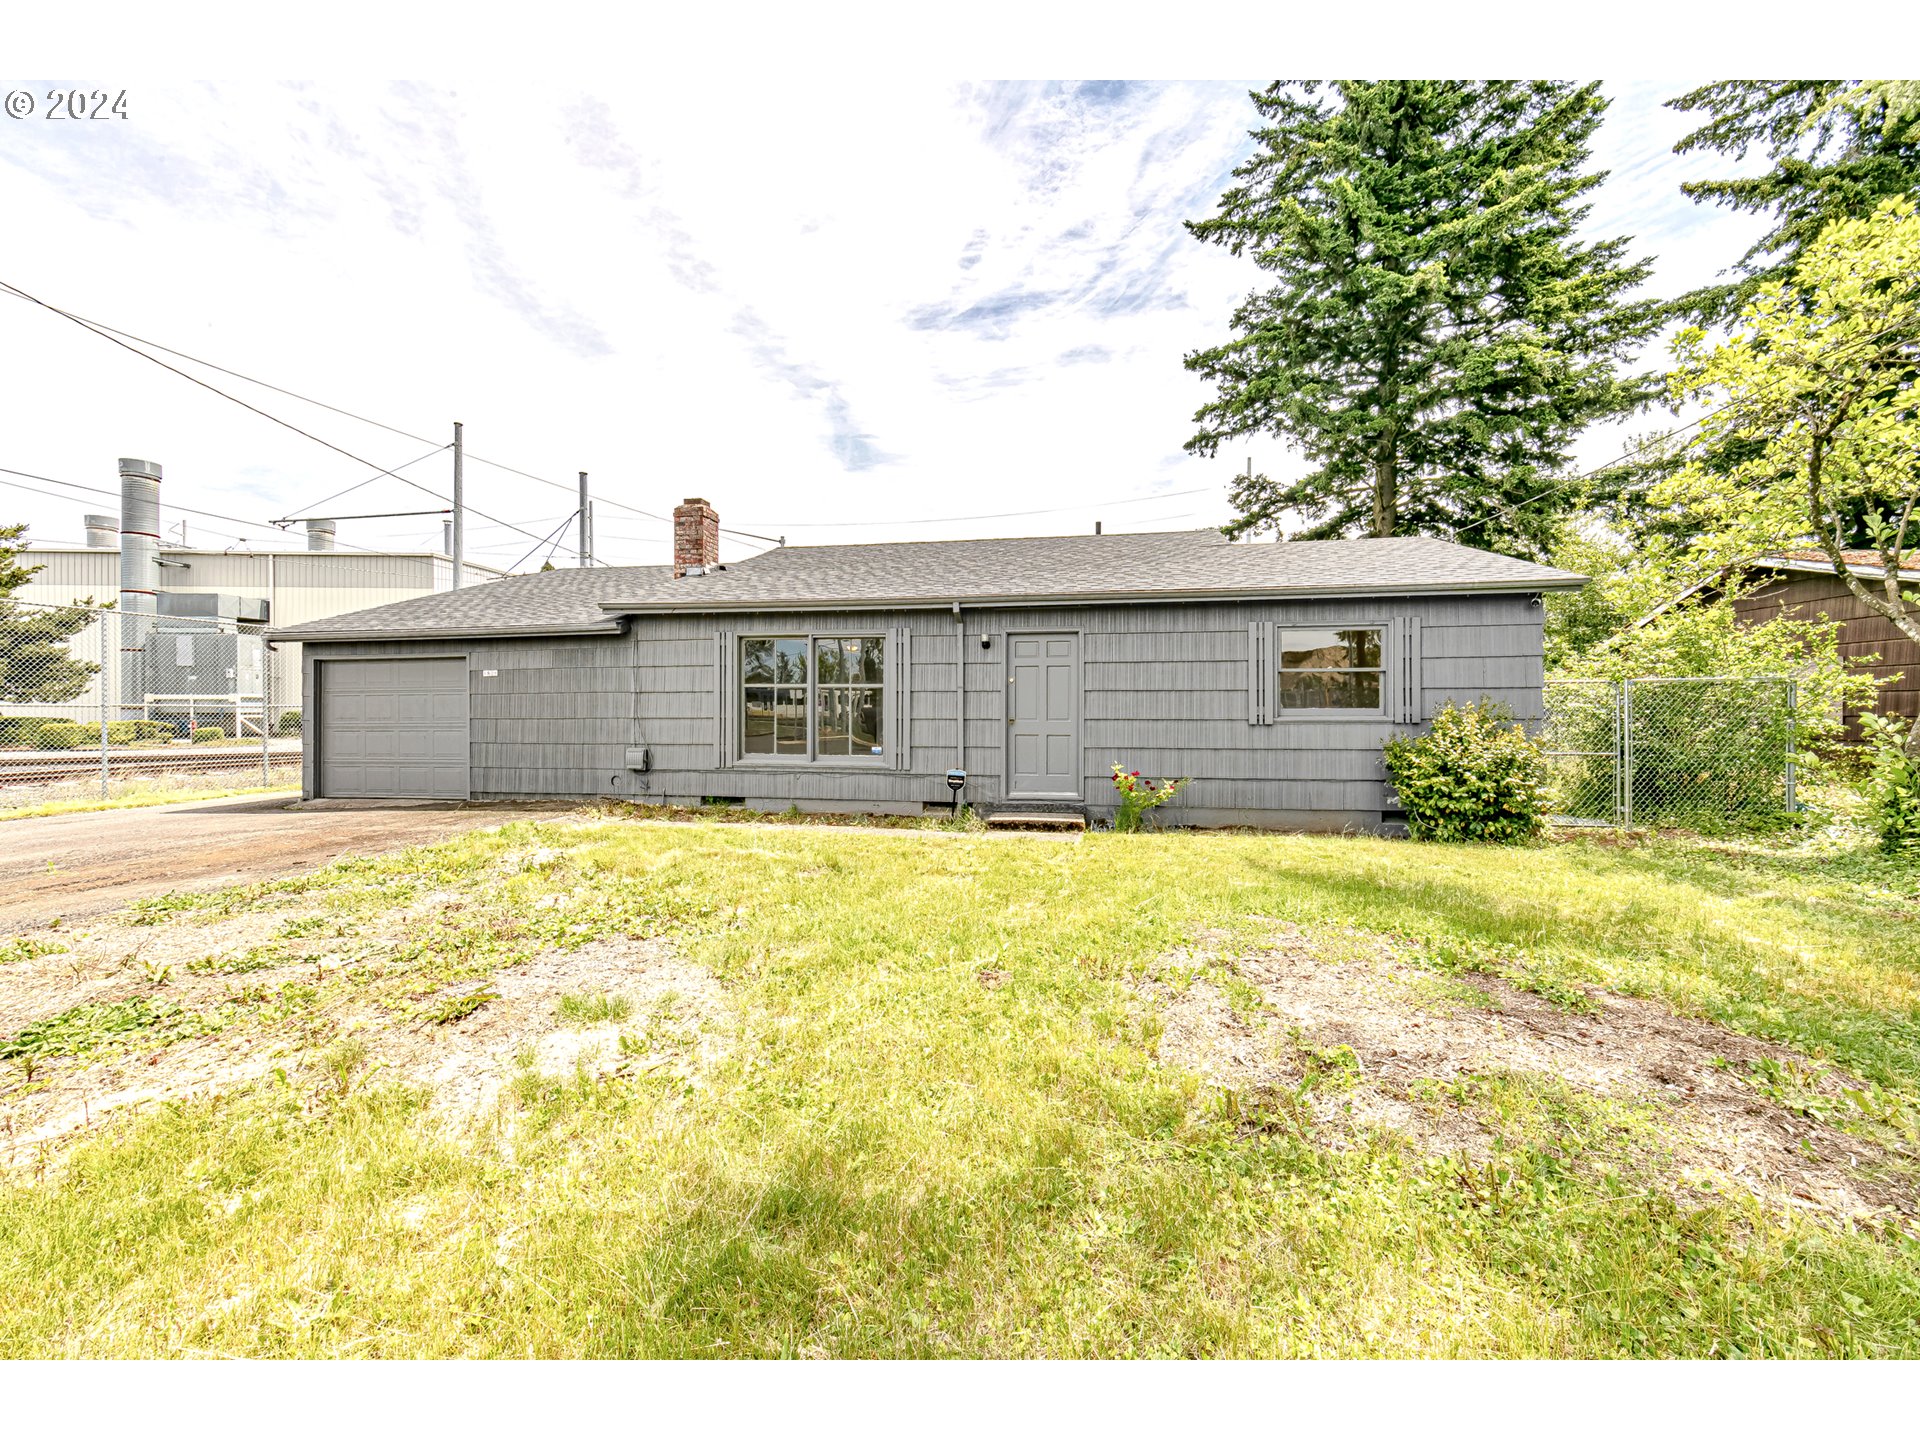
{"points": [[936, 1119], [141, 794]]}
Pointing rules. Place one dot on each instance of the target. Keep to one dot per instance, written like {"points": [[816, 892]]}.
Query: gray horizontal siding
{"points": [[1166, 693]]}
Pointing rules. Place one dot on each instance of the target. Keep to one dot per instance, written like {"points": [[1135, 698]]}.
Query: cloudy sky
{"points": [[858, 311]]}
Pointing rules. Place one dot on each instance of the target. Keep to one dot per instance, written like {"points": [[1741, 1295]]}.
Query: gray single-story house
{"points": [[856, 677]]}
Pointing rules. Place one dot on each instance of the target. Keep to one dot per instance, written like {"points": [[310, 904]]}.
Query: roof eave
{"points": [[294, 635], [1825, 567], [1094, 597]]}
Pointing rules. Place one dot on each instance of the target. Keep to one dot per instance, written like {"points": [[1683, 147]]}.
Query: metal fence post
{"points": [[266, 709], [1792, 720], [1626, 754], [106, 774], [1617, 740]]}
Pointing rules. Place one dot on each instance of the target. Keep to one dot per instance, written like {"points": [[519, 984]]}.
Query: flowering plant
{"points": [[1138, 796]]}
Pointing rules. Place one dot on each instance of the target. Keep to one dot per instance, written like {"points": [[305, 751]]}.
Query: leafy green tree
{"points": [[35, 663], [1435, 336], [1815, 392], [1838, 147]]}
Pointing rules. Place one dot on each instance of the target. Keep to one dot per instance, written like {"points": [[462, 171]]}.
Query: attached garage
{"points": [[393, 729]]}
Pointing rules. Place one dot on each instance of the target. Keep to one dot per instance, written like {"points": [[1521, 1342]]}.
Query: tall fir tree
{"points": [[1838, 147], [35, 663], [1436, 336]]}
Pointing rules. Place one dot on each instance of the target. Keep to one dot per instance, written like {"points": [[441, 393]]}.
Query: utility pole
{"points": [[459, 503], [586, 524]]}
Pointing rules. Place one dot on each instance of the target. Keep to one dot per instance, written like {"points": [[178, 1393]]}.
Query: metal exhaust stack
{"points": [[139, 575], [320, 534], [103, 532]]}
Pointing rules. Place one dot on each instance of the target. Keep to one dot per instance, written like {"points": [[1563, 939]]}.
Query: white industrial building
{"points": [[243, 591]]}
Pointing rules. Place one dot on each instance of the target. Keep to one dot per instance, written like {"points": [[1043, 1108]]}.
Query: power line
{"points": [[182, 509], [438, 449], [553, 535], [118, 337], [110, 332], [111, 337], [1000, 515], [97, 490]]}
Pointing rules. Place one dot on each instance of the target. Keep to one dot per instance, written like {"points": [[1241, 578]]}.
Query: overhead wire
{"points": [[111, 331], [998, 515], [407, 465], [553, 535], [120, 337], [259, 525], [112, 337], [181, 509]]}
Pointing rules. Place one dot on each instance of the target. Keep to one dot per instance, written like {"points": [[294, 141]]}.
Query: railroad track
{"points": [[42, 768]]}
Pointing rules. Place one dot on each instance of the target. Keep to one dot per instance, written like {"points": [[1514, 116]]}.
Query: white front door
{"points": [[1043, 717]]}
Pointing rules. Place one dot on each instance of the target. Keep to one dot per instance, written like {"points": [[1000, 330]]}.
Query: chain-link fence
{"points": [[97, 702], [1707, 753]]}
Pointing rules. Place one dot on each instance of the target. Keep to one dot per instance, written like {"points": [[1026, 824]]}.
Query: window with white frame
{"points": [[1331, 670], [813, 697]]}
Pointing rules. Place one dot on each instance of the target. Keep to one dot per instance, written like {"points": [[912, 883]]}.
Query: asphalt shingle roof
{"points": [[1188, 564], [1178, 564], [565, 601]]}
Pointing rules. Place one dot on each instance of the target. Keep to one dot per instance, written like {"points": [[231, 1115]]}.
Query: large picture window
{"points": [[806, 697], [1330, 670]]}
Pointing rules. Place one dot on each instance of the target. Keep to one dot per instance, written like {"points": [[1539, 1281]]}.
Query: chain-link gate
{"points": [[1706, 752], [1581, 734], [97, 702]]}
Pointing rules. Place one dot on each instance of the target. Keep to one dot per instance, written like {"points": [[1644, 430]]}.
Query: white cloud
{"points": [[808, 302]]}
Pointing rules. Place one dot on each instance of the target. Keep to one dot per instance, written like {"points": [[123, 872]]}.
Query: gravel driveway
{"points": [[70, 866]]}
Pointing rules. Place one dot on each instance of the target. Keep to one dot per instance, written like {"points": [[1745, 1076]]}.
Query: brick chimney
{"points": [[696, 537]]}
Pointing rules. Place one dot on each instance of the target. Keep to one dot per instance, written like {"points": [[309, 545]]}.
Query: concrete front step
{"points": [[1037, 820]]}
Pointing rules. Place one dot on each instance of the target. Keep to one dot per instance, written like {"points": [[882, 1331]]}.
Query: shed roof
{"points": [[1868, 564], [1090, 569]]}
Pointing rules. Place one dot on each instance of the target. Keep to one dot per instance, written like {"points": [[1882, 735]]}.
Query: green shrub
{"points": [[1893, 784], [288, 723], [1475, 775], [65, 735], [204, 733], [22, 729], [136, 732]]}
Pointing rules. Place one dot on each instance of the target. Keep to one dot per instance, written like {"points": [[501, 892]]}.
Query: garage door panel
{"points": [[418, 745], [394, 728]]}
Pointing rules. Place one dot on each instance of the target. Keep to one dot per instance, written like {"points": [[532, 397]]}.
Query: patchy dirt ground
{"points": [[677, 1023], [1347, 1031], [327, 997]]}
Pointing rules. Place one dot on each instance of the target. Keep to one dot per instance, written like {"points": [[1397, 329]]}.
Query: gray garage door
{"points": [[393, 728]]}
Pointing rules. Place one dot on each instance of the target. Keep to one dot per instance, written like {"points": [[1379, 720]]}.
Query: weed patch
{"points": [[88, 1029], [593, 1009], [29, 947]]}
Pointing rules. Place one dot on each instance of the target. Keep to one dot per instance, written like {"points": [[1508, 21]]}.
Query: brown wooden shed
{"points": [[1804, 585]]}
